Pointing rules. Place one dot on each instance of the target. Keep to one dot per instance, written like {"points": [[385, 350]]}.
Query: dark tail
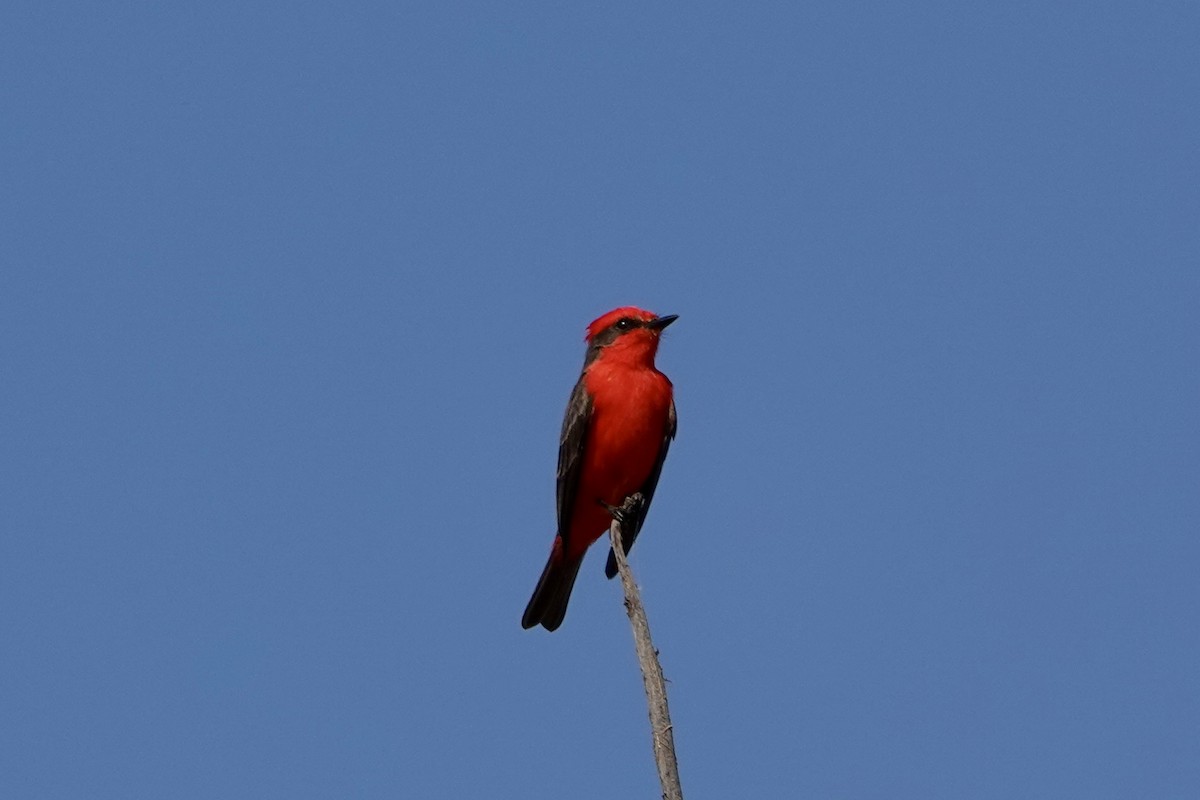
{"points": [[548, 605]]}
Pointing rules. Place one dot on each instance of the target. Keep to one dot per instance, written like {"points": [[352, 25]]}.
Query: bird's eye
{"points": [[624, 324]]}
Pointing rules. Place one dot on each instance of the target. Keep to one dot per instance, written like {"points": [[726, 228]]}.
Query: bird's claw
{"points": [[621, 513]]}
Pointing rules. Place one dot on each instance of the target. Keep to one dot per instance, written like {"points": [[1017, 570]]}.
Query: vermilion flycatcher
{"points": [[620, 421]]}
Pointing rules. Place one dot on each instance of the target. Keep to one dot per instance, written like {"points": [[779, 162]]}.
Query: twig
{"points": [[652, 676]]}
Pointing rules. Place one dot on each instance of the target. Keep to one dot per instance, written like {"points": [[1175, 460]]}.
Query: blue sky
{"points": [[292, 297]]}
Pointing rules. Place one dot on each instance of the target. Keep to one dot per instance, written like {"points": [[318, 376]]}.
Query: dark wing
{"points": [[570, 454], [633, 524]]}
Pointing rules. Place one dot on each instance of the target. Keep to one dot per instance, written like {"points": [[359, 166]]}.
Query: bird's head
{"points": [[628, 333]]}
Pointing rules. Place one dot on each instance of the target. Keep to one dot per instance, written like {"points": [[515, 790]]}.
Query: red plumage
{"points": [[619, 424]]}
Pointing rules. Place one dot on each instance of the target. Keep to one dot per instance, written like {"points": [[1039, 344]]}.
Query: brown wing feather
{"points": [[548, 605], [570, 455], [633, 525]]}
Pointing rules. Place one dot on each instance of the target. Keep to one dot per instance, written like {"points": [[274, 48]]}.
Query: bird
{"points": [[619, 424]]}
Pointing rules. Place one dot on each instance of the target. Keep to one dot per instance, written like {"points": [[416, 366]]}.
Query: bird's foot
{"points": [[621, 513]]}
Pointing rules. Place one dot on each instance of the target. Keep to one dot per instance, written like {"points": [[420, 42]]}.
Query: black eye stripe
{"points": [[610, 335]]}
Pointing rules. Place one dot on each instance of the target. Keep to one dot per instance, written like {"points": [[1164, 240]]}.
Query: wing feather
{"points": [[570, 454]]}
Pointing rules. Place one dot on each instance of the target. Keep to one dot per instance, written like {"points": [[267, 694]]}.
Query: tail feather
{"points": [[548, 605]]}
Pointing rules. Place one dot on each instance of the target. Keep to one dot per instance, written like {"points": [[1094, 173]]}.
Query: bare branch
{"points": [[652, 677]]}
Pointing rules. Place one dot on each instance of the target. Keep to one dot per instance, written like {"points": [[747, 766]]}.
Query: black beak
{"points": [[658, 323]]}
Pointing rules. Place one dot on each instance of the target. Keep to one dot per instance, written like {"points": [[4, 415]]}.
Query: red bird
{"points": [[620, 421]]}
